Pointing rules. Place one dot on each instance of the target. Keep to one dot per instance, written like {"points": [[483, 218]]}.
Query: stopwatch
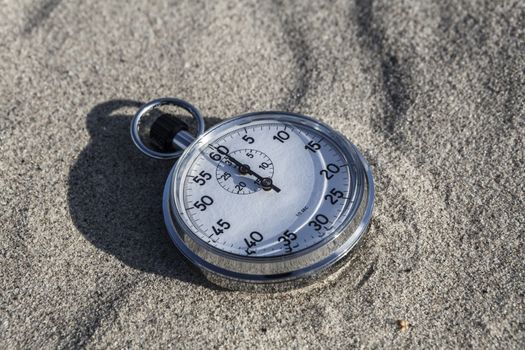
{"points": [[264, 197]]}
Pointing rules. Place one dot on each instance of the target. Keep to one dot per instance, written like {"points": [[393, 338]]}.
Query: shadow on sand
{"points": [[115, 196]]}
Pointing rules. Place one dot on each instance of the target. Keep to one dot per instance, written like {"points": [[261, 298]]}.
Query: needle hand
{"points": [[266, 182]]}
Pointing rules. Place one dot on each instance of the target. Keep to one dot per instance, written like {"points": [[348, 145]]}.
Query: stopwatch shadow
{"points": [[115, 196]]}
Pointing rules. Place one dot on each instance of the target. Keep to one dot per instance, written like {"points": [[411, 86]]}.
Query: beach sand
{"points": [[431, 92]]}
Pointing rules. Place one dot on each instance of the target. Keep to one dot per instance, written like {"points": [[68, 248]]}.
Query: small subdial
{"points": [[235, 179]]}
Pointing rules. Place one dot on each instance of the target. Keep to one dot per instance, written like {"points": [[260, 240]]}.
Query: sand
{"points": [[431, 92]]}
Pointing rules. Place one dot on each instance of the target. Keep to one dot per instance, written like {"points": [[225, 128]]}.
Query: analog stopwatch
{"points": [[262, 197]]}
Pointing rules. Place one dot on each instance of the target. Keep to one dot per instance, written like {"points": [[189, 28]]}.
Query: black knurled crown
{"points": [[164, 129]]}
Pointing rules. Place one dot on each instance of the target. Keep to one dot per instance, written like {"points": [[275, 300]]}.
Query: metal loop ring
{"points": [[159, 102]]}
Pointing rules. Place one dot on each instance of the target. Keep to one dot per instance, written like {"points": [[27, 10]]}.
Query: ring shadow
{"points": [[115, 197]]}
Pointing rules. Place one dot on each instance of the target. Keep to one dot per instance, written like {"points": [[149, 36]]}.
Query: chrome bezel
{"points": [[306, 262]]}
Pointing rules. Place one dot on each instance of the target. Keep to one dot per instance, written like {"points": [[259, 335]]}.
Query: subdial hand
{"points": [[265, 182]]}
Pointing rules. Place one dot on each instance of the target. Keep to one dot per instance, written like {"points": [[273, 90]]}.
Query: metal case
{"points": [[300, 265]]}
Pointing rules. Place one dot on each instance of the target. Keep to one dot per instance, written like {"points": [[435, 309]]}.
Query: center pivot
{"points": [[266, 183], [244, 169]]}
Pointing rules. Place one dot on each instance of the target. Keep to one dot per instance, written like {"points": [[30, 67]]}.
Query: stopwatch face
{"points": [[268, 193]]}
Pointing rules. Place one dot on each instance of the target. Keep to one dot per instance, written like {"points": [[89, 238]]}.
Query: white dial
{"points": [[265, 189]]}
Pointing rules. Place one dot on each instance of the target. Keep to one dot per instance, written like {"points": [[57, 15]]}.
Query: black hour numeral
{"points": [[312, 146], [215, 156], [254, 238], [222, 150], [248, 139], [281, 136], [330, 169], [222, 225], [202, 178], [204, 203], [287, 237], [240, 186], [264, 165], [319, 223], [333, 196]]}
